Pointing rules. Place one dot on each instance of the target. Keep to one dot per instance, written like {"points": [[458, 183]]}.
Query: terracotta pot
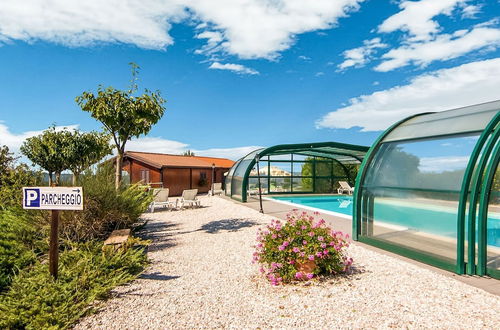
{"points": [[307, 266]]}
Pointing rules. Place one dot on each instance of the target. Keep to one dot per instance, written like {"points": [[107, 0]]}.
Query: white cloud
{"points": [[443, 47], [443, 163], [359, 56], [146, 144], [246, 28], [14, 141], [319, 74], [444, 89], [416, 17], [144, 23], [238, 68], [304, 58], [161, 145], [470, 11]]}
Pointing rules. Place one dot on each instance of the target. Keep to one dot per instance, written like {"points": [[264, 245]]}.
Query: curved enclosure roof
{"points": [[237, 180], [429, 189], [457, 121]]}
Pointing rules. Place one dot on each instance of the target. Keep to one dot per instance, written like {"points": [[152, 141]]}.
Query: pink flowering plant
{"points": [[300, 248]]}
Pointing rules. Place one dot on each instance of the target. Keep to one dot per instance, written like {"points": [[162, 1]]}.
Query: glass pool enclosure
{"points": [[428, 188]]}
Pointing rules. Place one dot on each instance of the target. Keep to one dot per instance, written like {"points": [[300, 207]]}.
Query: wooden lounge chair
{"points": [[160, 199], [189, 198], [216, 189], [345, 187]]}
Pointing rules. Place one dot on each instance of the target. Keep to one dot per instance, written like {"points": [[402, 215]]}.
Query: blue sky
{"points": [[239, 74]]}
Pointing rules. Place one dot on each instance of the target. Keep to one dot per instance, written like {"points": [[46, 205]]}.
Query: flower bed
{"points": [[300, 249]]}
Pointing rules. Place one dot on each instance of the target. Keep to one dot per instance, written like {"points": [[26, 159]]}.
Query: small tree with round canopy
{"points": [[122, 114]]}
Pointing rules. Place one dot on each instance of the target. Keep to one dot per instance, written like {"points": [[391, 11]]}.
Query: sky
{"points": [[240, 74]]}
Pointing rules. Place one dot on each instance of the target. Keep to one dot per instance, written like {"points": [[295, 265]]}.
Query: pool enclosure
{"points": [[428, 189], [294, 169]]}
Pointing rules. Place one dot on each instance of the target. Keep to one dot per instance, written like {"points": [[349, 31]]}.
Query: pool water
{"points": [[431, 219]]}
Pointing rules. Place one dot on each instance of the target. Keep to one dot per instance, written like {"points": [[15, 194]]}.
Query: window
{"points": [[145, 176]]}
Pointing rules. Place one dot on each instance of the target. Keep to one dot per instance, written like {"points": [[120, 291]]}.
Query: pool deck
{"points": [[280, 210]]}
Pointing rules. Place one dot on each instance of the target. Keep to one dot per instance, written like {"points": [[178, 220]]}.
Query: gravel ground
{"points": [[201, 277]]}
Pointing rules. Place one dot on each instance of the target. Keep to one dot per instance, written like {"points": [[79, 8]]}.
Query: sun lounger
{"points": [[345, 187], [160, 199], [189, 198], [216, 189]]}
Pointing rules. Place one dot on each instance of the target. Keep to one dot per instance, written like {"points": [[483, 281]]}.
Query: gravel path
{"points": [[201, 277]]}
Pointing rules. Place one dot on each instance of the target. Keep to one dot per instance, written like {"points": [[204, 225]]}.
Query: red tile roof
{"points": [[160, 160]]}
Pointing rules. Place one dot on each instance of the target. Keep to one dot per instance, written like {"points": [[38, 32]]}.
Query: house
{"points": [[174, 171]]}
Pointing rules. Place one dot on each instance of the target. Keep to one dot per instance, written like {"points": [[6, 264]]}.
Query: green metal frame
{"points": [[462, 204], [483, 211]]}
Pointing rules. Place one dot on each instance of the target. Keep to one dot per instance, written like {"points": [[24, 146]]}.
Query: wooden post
{"points": [[54, 244]]}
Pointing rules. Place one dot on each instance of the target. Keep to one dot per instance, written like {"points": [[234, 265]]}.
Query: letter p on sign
{"points": [[32, 198]]}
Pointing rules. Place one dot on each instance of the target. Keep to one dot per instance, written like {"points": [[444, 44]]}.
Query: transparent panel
{"points": [[323, 168], [229, 178], [458, 121], [279, 185], [411, 194], [493, 225], [253, 186], [323, 186], [281, 157], [262, 169], [280, 169], [303, 168], [300, 157], [302, 185]]}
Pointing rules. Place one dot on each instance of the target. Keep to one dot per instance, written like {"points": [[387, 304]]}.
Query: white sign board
{"points": [[53, 198]]}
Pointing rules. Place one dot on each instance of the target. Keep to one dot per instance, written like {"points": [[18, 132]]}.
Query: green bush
{"points": [[36, 301], [105, 209], [300, 249], [20, 242]]}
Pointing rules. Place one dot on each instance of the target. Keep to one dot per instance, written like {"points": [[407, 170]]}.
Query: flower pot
{"points": [[307, 266]]}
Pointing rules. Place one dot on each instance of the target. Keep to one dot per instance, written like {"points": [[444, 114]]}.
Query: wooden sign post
{"points": [[54, 199]]}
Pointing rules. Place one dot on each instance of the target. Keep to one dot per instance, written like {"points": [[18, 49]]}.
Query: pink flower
{"points": [[323, 245], [296, 250], [302, 254], [298, 275], [292, 262], [311, 234], [320, 238], [285, 243], [304, 242], [281, 248], [311, 257], [310, 275], [303, 227], [274, 236], [319, 254], [325, 252]]}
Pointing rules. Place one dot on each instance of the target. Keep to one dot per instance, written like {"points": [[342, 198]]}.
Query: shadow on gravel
{"points": [[158, 277], [160, 233], [232, 225]]}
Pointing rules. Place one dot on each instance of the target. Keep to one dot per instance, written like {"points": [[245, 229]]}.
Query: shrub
{"points": [[36, 301], [20, 242], [105, 209], [300, 249]]}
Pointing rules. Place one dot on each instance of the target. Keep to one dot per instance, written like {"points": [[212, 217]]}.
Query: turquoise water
{"points": [[431, 219]]}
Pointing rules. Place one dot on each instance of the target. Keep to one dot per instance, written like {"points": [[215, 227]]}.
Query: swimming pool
{"points": [[432, 219]]}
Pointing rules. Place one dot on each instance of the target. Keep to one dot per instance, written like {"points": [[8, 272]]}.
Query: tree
{"points": [[49, 151], [122, 114], [86, 149], [7, 160], [188, 153]]}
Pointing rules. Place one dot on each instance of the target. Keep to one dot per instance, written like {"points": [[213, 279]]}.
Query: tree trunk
{"points": [[58, 179], [75, 179], [118, 178], [50, 179]]}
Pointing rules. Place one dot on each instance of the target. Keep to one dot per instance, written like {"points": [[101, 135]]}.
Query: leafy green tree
{"points": [[49, 150], [122, 114], [86, 149], [188, 153], [12, 178]]}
